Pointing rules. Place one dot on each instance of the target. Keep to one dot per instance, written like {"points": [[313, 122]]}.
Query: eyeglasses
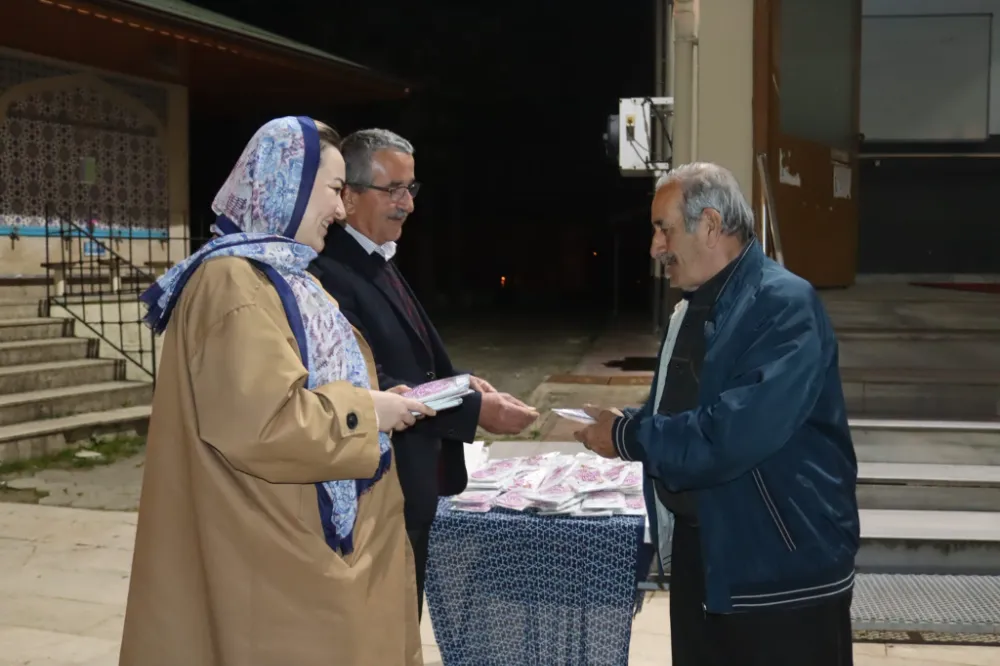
{"points": [[396, 193]]}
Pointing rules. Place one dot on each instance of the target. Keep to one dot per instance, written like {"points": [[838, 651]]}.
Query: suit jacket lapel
{"points": [[341, 246]]}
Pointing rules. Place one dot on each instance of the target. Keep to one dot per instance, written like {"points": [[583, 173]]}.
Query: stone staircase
{"points": [[921, 514], [55, 391], [921, 371]]}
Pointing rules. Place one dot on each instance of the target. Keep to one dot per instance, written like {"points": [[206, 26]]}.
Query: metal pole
{"points": [[680, 25], [662, 86], [685, 39], [48, 259], [668, 65], [769, 223], [659, 24], [614, 309], [657, 297]]}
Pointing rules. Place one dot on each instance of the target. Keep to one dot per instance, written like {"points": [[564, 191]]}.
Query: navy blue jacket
{"points": [[768, 451]]}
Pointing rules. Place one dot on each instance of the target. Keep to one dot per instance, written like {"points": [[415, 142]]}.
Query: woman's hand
{"points": [[395, 412]]}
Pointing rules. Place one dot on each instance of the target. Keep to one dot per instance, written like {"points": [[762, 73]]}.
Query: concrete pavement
{"points": [[63, 584], [64, 578]]}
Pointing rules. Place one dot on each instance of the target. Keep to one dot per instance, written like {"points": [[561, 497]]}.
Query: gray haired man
{"points": [[744, 441]]}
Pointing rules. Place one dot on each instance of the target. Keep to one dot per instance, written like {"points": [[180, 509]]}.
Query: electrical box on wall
{"points": [[643, 142]]}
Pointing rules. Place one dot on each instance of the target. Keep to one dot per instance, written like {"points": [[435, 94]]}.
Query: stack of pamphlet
{"points": [[556, 484]]}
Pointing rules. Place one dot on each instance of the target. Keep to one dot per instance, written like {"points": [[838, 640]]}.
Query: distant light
{"points": [[595, 254], [503, 280]]}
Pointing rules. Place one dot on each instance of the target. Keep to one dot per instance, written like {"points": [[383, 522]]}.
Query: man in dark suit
{"points": [[356, 268]]}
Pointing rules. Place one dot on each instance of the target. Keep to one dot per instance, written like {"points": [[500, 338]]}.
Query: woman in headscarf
{"points": [[270, 527]]}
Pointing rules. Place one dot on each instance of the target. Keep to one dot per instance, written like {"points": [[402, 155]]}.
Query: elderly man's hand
{"points": [[481, 385], [597, 436]]}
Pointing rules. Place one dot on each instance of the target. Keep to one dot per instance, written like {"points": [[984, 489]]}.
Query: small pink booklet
{"points": [[441, 390]]}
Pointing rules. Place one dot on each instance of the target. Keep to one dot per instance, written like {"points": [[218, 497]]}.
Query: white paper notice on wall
{"points": [[841, 181], [785, 175]]}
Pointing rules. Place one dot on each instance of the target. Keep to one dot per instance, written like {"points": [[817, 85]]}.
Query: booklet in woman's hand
{"points": [[442, 393]]}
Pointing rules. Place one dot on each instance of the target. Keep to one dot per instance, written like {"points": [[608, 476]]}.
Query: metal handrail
{"points": [[770, 238], [60, 269]]}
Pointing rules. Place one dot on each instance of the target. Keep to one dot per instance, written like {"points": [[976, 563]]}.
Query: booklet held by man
{"points": [[442, 393]]}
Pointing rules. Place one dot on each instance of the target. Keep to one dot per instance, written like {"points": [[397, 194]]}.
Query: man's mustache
{"points": [[399, 215], [666, 258]]}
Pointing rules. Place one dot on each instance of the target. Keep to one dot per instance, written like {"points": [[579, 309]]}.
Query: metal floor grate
{"points": [[916, 602]]}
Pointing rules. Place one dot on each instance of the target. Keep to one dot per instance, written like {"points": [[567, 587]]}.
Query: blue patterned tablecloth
{"points": [[517, 589]]}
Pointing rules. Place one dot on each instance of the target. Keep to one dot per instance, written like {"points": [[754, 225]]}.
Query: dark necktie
{"points": [[409, 306]]}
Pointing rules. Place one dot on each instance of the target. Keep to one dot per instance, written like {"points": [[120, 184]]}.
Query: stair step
{"points": [[58, 374], [72, 400], [23, 441], [936, 376], [920, 334], [930, 542], [930, 474], [920, 348], [20, 309], [928, 487], [926, 441], [34, 328], [24, 352], [935, 393], [19, 288], [978, 313], [925, 425]]}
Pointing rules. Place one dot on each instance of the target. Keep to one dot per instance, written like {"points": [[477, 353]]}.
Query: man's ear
{"points": [[712, 221], [350, 199]]}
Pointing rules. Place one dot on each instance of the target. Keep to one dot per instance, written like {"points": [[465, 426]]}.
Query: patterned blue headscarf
{"points": [[260, 208]]}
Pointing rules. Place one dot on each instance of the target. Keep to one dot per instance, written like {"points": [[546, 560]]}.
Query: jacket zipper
{"points": [[773, 510]]}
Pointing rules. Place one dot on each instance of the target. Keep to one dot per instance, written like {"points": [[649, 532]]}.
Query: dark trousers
{"points": [[420, 536], [816, 635]]}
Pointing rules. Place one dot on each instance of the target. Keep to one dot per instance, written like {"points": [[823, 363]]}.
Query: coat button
{"points": [[431, 376], [352, 420]]}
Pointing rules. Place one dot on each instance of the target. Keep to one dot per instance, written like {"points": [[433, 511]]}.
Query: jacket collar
{"points": [[745, 276], [708, 294]]}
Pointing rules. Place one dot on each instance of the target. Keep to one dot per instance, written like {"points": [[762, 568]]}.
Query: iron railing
{"points": [[96, 272], [770, 238]]}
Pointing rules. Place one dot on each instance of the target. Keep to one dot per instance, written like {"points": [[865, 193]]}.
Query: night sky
{"points": [[511, 101]]}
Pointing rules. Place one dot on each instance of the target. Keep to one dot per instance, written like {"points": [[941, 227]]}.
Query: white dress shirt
{"points": [[387, 250]]}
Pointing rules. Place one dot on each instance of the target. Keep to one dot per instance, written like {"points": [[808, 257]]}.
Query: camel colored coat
{"points": [[231, 567]]}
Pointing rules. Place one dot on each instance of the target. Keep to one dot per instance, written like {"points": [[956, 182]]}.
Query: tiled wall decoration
{"points": [[74, 150]]}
